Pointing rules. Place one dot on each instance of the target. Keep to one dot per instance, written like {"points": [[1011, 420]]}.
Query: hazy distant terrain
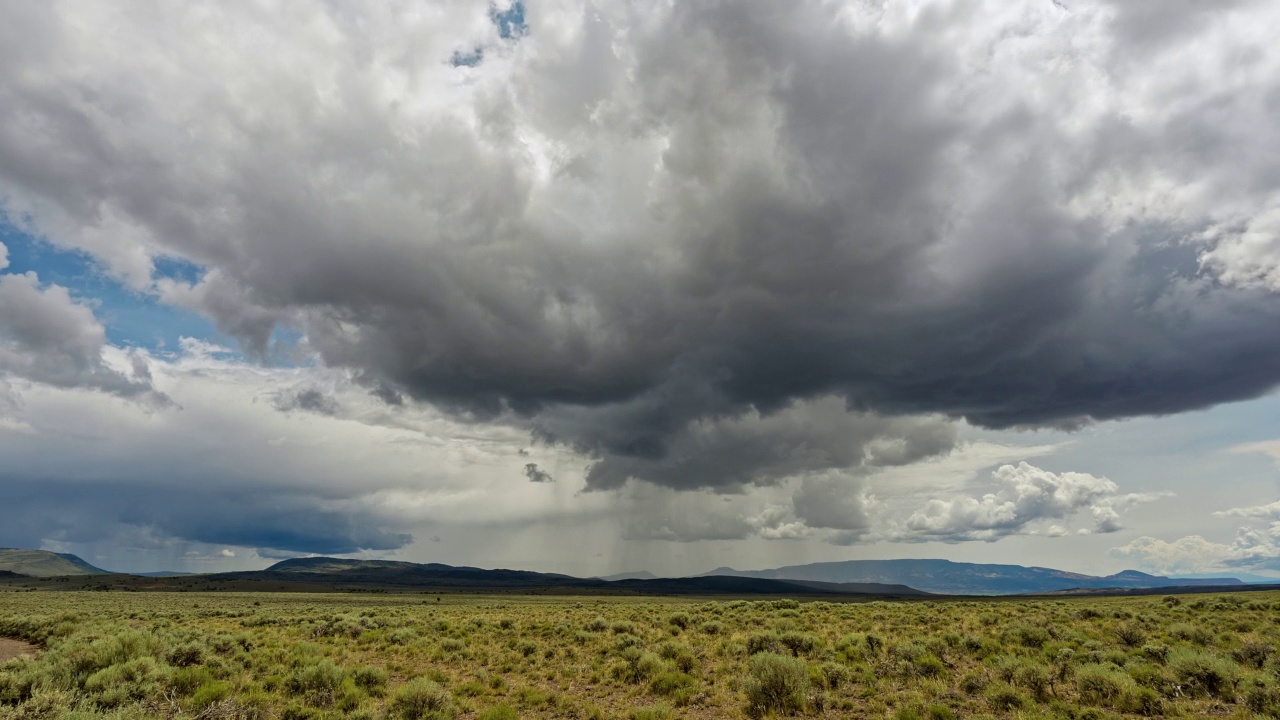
{"points": [[955, 578], [887, 578], [386, 573], [640, 575]]}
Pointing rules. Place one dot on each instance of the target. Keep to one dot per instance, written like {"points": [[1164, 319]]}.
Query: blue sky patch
{"points": [[510, 22], [471, 59], [176, 268], [511, 25], [131, 319]]}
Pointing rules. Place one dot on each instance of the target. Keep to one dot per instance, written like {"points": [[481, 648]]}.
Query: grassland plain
{"points": [[291, 656]]}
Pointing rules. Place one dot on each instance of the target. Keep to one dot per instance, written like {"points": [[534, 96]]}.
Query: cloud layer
{"points": [[633, 226], [1253, 548]]}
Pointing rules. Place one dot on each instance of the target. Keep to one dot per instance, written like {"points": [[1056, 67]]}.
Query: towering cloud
{"points": [[709, 244]]}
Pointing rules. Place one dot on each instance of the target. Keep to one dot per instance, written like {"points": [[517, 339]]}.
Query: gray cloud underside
{"points": [[47, 337], [267, 519], [646, 231]]}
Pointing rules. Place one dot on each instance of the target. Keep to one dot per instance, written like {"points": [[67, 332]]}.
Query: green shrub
{"points": [[974, 683], [370, 679], [776, 683], [1031, 636], [1149, 675], [1033, 678], [185, 655], [1191, 633], [637, 665], [123, 647], [130, 681], [404, 636], [295, 711], [421, 699], [835, 675], [1101, 684], [184, 681], [670, 683], [318, 684], [349, 697], [938, 711], [873, 643], [626, 640], [799, 643], [1130, 635], [679, 655], [928, 666], [1141, 701], [1204, 673], [211, 692], [1156, 652], [1006, 698], [1263, 698], [474, 688], [647, 665], [1253, 654], [653, 712], [767, 641], [499, 712]]}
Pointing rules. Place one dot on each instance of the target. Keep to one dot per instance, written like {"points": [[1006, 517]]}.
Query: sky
{"points": [[591, 287]]}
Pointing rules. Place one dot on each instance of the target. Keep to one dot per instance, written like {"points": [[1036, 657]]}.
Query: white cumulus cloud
{"points": [[1026, 495]]}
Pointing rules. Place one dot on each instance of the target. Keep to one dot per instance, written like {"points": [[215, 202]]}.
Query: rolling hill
{"points": [[956, 578], [44, 563]]}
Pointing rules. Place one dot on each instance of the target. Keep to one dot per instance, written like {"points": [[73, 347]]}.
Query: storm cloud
{"points": [[709, 245]]}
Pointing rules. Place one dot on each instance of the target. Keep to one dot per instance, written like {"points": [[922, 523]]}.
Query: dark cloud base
{"points": [[274, 523]]}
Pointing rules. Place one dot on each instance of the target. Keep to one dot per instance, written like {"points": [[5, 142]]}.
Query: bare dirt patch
{"points": [[10, 649]]}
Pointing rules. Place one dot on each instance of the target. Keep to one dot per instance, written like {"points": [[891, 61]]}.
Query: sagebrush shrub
{"points": [[1203, 672], [1101, 684], [318, 684], [499, 712], [776, 683], [1006, 698], [421, 699]]}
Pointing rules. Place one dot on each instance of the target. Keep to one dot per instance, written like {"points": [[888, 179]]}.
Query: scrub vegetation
{"points": [[407, 657]]}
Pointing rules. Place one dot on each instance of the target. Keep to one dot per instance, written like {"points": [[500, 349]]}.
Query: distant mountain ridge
{"points": [[45, 563], [640, 575], [1248, 578], [409, 575], [957, 578]]}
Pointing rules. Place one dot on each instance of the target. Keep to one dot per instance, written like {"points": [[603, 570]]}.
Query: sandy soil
{"points": [[10, 649]]}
